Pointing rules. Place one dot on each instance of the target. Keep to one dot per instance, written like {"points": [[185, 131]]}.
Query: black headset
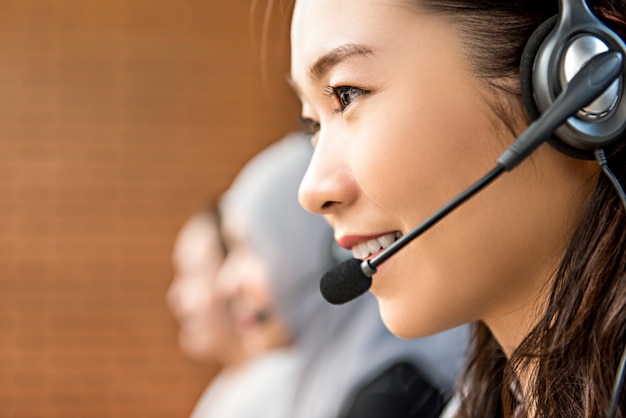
{"points": [[553, 54]]}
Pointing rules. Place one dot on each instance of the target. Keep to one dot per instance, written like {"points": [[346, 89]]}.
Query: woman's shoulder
{"points": [[400, 390]]}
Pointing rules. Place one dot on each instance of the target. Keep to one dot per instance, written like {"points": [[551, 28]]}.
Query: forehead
{"points": [[198, 234], [319, 26]]}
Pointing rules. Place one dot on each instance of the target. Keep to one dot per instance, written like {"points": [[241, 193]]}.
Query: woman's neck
{"points": [[511, 327]]}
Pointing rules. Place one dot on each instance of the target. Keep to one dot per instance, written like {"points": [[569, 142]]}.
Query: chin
{"points": [[401, 325], [404, 324], [194, 352]]}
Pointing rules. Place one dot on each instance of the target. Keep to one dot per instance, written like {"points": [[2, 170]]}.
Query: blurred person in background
{"points": [[310, 358], [205, 330], [206, 333]]}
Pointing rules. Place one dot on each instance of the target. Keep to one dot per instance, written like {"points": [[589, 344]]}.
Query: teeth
{"points": [[386, 240], [373, 245], [365, 249], [360, 251]]}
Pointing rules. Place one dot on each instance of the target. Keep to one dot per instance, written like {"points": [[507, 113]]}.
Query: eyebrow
{"points": [[335, 56]]}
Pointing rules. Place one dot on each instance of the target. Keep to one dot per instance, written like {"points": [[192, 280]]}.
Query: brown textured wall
{"points": [[116, 118]]}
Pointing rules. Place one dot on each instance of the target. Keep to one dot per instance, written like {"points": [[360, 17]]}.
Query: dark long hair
{"points": [[572, 355]]}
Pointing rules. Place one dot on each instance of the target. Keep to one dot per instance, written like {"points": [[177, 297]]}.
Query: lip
{"points": [[245, 322], [349, 241]]}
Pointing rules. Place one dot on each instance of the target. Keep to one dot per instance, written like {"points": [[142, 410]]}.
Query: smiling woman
{"points": [[347, 364], [410, 102]]}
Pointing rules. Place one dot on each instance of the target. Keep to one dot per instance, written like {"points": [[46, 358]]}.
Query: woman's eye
{"points": [[345, 95]]}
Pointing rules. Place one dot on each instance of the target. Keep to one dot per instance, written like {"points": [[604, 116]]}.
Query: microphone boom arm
{"points": [[368, 267]]}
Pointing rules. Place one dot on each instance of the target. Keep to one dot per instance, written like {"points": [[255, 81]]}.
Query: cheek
{"points": [[424, 294], [257, 294], [214, 261], [418, 156], [413, 161], [254, 290]]}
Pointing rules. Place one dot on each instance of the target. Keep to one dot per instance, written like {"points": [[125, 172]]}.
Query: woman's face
{"points": [[205, 332], [404, 126], [244, 278]]}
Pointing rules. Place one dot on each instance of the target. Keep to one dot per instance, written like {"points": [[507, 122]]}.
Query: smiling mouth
{"points": [[373, 246]]}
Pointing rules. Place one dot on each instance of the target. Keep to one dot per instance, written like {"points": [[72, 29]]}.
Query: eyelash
{"points": [[311, 126], [342, 95]]}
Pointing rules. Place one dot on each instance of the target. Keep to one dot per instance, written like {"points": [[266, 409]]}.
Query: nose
{"points": [[180, 296], [328, 185]]}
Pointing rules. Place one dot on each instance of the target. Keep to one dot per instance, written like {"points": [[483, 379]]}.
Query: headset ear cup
{"points": [[527, 66]]}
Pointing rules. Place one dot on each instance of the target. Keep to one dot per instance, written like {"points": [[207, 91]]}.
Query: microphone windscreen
{"points": [[344, 282]]}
